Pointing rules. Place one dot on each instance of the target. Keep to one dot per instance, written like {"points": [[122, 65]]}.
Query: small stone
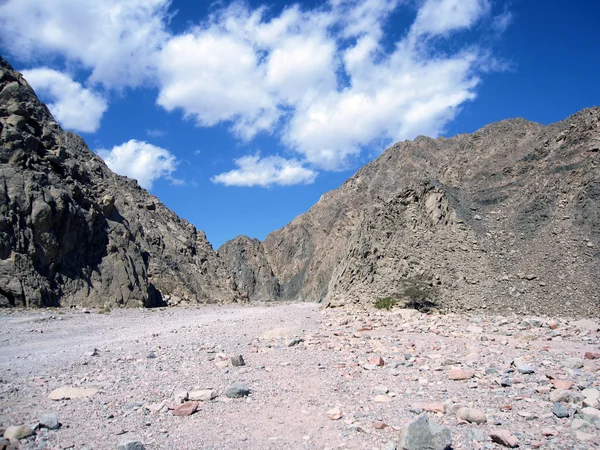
{"points": [[238, 361], [237, 390], [49, 421], [223, 364], [293, 342], [431, 407], [583, 437], [591, 355], [380, 425], [151, 355], [203, 395], [17, 432], [562, 384], [560, 395], [67, 393], [505, 438], [526, 369], [382, 398], [131, 445], [334, 414], [377, 360], [94, 352], [380, 390], [505, 382], [181, 396], [471, 415], [457, 374], [549, 432], [552, 324], [370, 367], [560, 411], [420, 434], [187, 409]]}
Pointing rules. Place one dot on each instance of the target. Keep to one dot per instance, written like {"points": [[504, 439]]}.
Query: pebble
{"points": [[49, 421], [18, 432], [334, 414], [562, 384], [186, 409], [382, 398], [560, 411], [67, 393], [457, 374], [505, 438], [131, 445], [560, 395], [293, 342], [471, 415], [237, 390], [238, 361], [421, 434], [203, 395], [377, 360]]}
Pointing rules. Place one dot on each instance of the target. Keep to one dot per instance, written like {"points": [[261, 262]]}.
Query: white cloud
{"points": [[326, 81], [323, 74], [116, 39], [439, 17], [256, 171], [74, 107], [142, 161]]}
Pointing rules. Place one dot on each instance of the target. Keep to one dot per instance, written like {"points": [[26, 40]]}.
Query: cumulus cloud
{"points": [[74, 107], [320, 79], [325, 81], [118, 40], [140, 160], [272, 170], [443, 16]]}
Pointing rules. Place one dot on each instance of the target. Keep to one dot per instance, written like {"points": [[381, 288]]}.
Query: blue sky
{"points": [[240, 115]]}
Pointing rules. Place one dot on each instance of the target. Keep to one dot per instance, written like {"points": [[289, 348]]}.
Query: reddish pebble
{"points": [[591, 355], [187, 409], [379, 425], [562, 384], [377, 360]]}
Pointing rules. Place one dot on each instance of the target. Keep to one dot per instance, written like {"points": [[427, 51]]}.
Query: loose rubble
{"points": [[407, 379]]}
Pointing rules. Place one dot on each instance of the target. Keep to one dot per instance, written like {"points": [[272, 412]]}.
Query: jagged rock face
{"points": [[246, 261], [507, 218], [73, 232]]}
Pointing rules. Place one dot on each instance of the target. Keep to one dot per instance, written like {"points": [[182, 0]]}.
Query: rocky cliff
{"points": [[507, 218], [73, 232]]}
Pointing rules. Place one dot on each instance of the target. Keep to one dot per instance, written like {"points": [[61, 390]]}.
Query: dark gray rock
{"points": [[131, 445], [560, 411], [420, 434], [71, 231], [250, 270], [237, 390], [238, 361], [49, 421]]}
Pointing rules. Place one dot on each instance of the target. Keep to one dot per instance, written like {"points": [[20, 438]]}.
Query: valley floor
{"points": [[519, 374]]}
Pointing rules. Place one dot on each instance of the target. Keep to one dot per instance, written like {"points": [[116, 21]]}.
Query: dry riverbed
{"points": [[316, 378]]}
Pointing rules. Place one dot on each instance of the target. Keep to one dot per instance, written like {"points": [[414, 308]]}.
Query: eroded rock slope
{"points": [[507, 218], [73, 232]]}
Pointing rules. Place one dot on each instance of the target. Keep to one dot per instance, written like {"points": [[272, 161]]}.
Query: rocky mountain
{"points": [[504, 219], [73, 232]]}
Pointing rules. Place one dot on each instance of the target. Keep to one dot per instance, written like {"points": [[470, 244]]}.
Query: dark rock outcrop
{"points": [[73, 232], [505, 219], [251, 272]]}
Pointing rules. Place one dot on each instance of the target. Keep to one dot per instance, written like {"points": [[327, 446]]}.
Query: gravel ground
{"points": [[372, 371]]}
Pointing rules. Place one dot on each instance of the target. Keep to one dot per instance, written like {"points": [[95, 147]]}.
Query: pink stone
{"points": [[562, 384], [377, 360], [186, 409], [505, 438], [460, 374]]}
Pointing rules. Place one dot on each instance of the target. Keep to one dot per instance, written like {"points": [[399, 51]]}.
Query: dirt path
{"points": [[146, 357]]}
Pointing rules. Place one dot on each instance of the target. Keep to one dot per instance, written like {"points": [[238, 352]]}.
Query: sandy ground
{"points": [[145, 358]]}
